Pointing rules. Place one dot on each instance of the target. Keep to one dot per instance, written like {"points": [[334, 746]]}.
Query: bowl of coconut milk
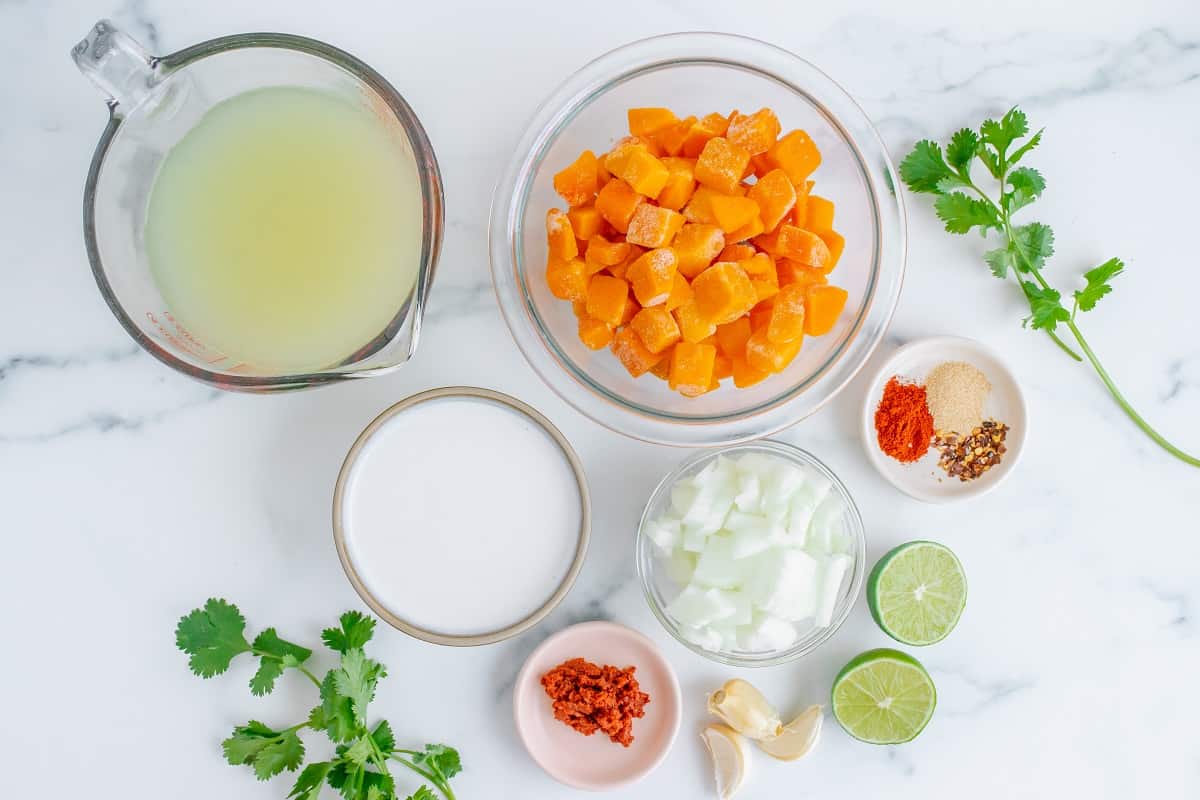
{"points": [[461, 516]]}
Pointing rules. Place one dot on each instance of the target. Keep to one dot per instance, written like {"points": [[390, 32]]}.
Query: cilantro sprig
{"points": [[1023, 250], [212, 636]]}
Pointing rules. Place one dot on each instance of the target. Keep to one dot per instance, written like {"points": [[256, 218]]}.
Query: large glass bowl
{"points": [[695, 73], [660, 589]]}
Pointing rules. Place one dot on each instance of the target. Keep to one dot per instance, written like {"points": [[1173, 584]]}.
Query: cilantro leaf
{"points": [[212, 636], [962, 213], [1046, 308], [1027, 185], [359, 752], [312, 778], [1001, 260], [1097, 283], [1033, 142], [1000, 135], [962, 148], [924, 168], [355, 631], [1035, 242], [383, 737], [355, 680], [422, 794], [276, 655], [268, 751], [439, 759], [989, 159], [336, 712], [263, 680]]}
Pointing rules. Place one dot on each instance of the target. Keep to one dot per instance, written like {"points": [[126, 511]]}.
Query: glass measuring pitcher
{"points": [[154, 102]]}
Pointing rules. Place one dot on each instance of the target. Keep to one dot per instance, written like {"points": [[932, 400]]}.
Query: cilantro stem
{"points": [[429, 776], [310, 676]]}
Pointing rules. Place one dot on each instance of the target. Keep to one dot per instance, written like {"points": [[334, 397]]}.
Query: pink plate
{"points": [[594, 762]]}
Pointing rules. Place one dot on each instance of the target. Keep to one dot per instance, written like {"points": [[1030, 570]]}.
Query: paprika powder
{"points": [[903, 424]]}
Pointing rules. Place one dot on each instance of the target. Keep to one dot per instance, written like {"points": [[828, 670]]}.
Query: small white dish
{"points": [[924, 479]]}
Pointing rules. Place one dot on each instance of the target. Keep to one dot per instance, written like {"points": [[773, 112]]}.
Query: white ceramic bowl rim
{"points": [[620, 413], [644, 556]]}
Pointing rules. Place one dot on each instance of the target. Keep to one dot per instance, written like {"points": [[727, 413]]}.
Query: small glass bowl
{"points": [[660, 589], [696, 73]]}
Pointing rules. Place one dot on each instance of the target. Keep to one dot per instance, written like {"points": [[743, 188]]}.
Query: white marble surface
{"points": [[130, 494]]}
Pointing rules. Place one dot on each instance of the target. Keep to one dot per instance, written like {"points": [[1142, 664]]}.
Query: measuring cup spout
{"points": [[118, 65]]}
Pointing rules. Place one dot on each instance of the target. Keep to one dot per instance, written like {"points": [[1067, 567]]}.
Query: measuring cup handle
{"points": [[117, 64]]}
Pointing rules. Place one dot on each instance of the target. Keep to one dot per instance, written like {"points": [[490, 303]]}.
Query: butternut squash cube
{"points": [[652, 226], [745, 375], [722, 367], [607, 298], [787, 315], [656, 328], [601, 253], [586, 222], [754, 133], [594, 333], [794, 273], [560, 238], [681, 183], [767, 356], [819, 214], [653, 276], [578, 182], [800, 212], [627, 347], [693, 326], [823, 306], [696, 246], [681, 292], [759, 266], [775, 195], [631, 310], [732, 337], [633, 163], [737, 252], [721, 165], [709, 127], [732, 212], [723, 292], [836, 244], [803, 246], [671, 137], [796, 154], [616, 202], [692, 368], [568, 280], [644, 122], [763, 289], [748, 231], [662, 370]]}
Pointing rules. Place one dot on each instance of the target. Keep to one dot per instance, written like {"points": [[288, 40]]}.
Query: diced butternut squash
{"points": [[601, 253], [737, 252], [692, 368], [632, 162], [652, 226], [681, 183], [722, 366], [653, 276], [708, 127], [776, 197], [681, 292], [568, 280], [693, 326], [760, 266], [732, 211], [836, 244], [794, 273], [721, 165], [760, 315], [671, 138], [723, 292], [560, 238], [754, 133], [767, 356], [732, 337], [607, 298], [616, 202], [696, 246], [745, 375], [645, 122], [662, 370], [632, 307], [763, 289], [823, 305], [819, 215], [800, 212], [656, 328], [803, 246], [578, 182], [748, 231], [594, 333], [627, 347], [787, 315], [796, 154], [586, 222], [760, 165]]}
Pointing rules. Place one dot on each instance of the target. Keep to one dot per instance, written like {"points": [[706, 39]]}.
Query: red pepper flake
{"points": [[903, 424], [591, 698]]}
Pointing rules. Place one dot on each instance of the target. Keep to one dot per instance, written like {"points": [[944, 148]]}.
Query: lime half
{"points": [[917, 592], [883, 697]]}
